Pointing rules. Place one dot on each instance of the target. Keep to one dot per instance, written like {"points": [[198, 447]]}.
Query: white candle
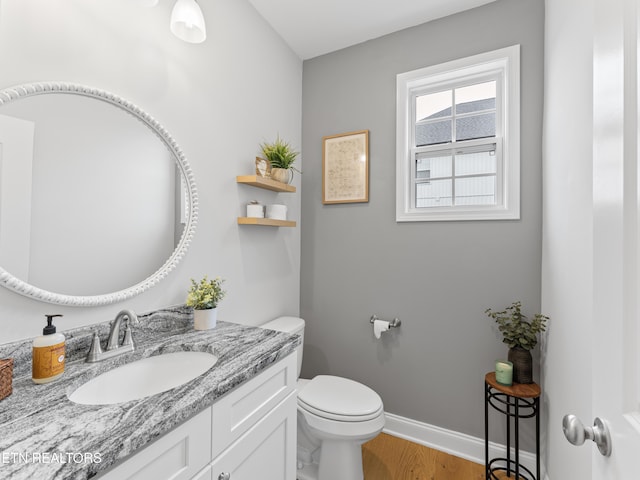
{"points": [[277, 212], [255, 210]]}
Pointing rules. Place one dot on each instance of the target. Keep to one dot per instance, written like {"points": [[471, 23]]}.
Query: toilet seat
{"points": [[339, 399]]}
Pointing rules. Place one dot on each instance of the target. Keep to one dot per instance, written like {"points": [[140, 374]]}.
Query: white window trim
{"points": [[505, 60]]}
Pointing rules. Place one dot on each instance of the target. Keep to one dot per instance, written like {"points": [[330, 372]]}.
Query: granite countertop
{"points": [[44, 435]]}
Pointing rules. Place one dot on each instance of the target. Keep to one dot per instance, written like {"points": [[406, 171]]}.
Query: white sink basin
{"points": [[144, 377]]}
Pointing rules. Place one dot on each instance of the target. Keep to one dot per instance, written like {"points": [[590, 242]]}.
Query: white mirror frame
{"points": [[9, 281]]}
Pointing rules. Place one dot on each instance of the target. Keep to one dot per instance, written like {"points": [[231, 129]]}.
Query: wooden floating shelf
{"points": [[266, 183], [266, 222]]}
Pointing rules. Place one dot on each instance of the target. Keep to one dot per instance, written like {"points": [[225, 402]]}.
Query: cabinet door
{"points": [[178, 455], [267, 451], [204, 474], [239, 410]]}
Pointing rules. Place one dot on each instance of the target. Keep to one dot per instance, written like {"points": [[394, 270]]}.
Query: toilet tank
{"points": [[293, 325]]}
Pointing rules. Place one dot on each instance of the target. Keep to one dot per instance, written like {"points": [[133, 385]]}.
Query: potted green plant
{"points": [[281, 155], [204, 297], [521, 336]]}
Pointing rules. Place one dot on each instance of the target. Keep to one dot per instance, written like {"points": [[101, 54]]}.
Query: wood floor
{"points": [[391, 458]]}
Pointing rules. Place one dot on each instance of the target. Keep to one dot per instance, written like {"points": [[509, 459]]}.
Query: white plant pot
{"points": [[205, 319]]}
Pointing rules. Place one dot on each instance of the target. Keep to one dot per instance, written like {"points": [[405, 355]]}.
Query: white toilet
{"points": [[335, 417]]}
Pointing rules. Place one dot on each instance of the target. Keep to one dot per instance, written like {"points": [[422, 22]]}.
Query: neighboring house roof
{"points": [[474, 126]]}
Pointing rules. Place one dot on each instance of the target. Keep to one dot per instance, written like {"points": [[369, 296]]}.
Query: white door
{"points": [[590, 358], [16, 161], [616, 243]]}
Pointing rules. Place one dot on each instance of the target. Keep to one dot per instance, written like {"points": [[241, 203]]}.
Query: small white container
{"points": [[255, 210], [277, 212]]}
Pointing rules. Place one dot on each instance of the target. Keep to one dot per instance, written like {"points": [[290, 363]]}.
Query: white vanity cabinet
{"points": [[248, 434]]}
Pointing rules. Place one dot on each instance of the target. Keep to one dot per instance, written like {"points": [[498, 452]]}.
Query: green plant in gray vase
{"points": [[521, 335], [281, 156]]}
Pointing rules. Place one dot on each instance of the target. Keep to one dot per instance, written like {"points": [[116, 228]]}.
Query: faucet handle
{"points": [[133, 318], [128, 338], [95, 350]]}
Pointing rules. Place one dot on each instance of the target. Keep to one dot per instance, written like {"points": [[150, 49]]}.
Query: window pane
{"points": [[476, 126], [475, 163], [436, 193], [476, 191], [434, 167], [434, 105], [432, 133], [475, 98]]}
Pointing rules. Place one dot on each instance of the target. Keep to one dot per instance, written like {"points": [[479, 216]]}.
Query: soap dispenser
{"points": [[48, 354]]}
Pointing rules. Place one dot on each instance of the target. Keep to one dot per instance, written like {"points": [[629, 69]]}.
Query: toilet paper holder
{"points": [[393, 323]]}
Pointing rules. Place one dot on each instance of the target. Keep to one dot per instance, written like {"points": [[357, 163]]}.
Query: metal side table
{"points": [[521, 400]]}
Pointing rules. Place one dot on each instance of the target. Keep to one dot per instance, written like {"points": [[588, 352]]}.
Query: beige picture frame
{"points": [[263, 167], [345, 167]]}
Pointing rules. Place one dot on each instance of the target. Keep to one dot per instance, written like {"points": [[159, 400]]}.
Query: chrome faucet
{"points": [[96, 354]]}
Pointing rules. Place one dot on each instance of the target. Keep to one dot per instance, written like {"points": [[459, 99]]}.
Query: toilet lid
{"points": [[340, 399]]}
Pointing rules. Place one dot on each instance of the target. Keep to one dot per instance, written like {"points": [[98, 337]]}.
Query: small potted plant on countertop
{"points": [[281, 156], [204, 298], [521, 336]]}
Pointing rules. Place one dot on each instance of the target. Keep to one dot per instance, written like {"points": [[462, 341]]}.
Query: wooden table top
{"points": [[520, 390]]}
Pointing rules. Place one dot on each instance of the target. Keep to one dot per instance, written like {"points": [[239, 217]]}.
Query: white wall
{"points": [[218, 99], [567, 262]]}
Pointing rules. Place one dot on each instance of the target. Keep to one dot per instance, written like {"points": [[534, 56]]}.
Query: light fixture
{"points": [[187, 22]]}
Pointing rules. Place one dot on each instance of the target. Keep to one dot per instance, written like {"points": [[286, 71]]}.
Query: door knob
{"points": [[575, 431], [224, 476]]}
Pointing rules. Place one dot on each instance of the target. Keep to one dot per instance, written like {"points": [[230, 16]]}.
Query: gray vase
{"points": [[522, 365]]}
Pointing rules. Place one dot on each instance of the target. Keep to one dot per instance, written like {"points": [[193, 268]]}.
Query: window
{"points": [[458, 139]]}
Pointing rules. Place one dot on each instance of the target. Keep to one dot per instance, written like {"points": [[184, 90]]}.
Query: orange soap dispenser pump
{"points": [[48, 354]]}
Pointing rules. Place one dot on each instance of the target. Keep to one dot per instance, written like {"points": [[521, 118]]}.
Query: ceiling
{"points": [[316, 27]]}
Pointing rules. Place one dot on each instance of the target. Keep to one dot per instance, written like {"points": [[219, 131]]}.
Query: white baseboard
{"points": [[455, 443]]}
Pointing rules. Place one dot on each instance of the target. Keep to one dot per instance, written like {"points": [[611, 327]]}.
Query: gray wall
{"points": [[437, 277]]}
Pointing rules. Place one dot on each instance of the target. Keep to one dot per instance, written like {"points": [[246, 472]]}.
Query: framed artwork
{"points": [[263, 167], [345, 168]]}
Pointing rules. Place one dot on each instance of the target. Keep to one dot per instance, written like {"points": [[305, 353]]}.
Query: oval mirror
{"points": [[97, 201]]}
